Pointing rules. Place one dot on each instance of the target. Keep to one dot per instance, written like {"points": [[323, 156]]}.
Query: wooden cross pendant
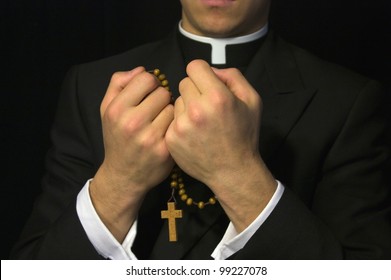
{"points": [[171, 214]]}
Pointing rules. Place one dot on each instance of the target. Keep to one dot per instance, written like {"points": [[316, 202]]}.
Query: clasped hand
{"points": [[212, 133], [213, 129]]}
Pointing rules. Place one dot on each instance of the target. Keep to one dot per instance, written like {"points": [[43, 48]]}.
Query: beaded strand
{"points": [[161, 77], [177, 183]]}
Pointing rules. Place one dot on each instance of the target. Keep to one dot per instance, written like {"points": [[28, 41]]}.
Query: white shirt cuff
{"points": [[232, 242], [107, 246], [98, 234]]}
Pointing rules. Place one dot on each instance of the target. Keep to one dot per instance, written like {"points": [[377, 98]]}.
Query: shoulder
{"points": [[120, 62], [327, 76], [336, 86], [90, 80], [86, 84], [337, 89]]}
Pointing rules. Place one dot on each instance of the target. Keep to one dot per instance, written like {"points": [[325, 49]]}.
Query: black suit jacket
{"points": [[322, 136]]}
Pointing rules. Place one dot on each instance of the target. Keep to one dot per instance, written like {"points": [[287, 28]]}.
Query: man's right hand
{"points": [[136, 113]]}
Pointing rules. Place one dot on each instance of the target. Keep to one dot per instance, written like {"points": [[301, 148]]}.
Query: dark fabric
{"points": [[322, 136]]}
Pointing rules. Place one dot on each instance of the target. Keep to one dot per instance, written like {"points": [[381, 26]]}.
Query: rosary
{"points": [[177, 185]]}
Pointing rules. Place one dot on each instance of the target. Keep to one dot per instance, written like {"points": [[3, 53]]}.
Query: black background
{"points": [[40, 40]]}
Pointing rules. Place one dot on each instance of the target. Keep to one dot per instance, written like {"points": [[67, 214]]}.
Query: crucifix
{"points": [[171, 214]]}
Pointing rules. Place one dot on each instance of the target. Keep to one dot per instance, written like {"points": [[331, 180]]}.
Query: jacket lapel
{"points": [[274, 74]]}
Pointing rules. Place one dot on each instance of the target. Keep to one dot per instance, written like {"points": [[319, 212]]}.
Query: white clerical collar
{"points": [[218, 44]]}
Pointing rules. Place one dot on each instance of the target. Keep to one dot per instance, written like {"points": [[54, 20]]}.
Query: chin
{"points": [[219, 29]]}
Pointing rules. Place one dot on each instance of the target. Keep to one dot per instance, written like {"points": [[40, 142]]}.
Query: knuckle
{"points": [[148, 78], [102, 108], [164, 94], [152, 142], [233, 72], [133, 125], [196, 114], [111, 114], [162, 151], [178, 131], [219, 100], [116, 77], [257, 100], [147, 140]]}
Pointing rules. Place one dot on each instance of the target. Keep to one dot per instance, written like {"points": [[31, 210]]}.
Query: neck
{"points": [[219, 44]]}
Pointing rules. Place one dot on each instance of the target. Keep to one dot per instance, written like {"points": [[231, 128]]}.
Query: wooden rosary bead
{"points": [[212, 200], [156, 72], [189, 201], [176, 179], [162, 77]]}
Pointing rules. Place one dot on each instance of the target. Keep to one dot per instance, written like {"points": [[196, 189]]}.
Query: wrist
{"points": [[115, 201], [245, 193]]}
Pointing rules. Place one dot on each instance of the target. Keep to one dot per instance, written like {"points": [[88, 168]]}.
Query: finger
{"points": [[118, 82], [179, 106], [164, 119], [188, 90], [137, 89], [236, 83], [204, 77], [154, 103]]}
